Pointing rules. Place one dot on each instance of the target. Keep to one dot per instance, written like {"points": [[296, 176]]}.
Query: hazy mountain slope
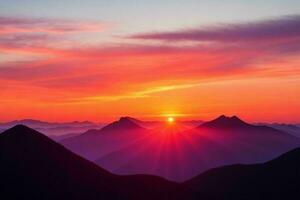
{"points": [[53, 128], [181, 155], [292, 129], [97, 142]]}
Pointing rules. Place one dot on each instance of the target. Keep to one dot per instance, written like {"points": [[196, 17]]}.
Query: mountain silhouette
{"points": [[224, 122], [124, 123], [292, 129], [35, 167], [55, 130], [27, 122], [276, 179], [223, 141], [33, 123], [235, 124], [96, 142]]}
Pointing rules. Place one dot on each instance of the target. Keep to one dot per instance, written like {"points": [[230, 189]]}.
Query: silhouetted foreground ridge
{"points": [[35, 167]]}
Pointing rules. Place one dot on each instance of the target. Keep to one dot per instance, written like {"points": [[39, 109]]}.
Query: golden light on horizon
{"points": [[170, 119]]}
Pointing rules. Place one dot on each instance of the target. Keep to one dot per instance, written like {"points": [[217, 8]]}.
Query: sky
{"points": [[192, 59]]}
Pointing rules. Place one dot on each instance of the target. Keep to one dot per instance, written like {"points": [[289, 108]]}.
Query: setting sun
{"points": [[170, 119]]}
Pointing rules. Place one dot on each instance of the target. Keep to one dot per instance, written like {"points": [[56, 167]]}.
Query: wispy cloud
{"points": [[20, 34], [274, 29], [126, 71], [13, 25]]}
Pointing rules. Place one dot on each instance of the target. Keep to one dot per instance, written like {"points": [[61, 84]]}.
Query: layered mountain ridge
{"points": [[35, 167]]}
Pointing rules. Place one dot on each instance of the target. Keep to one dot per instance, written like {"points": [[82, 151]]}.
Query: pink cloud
{"points": [[130, 69], [113, 68], [51, 26], [20, 34]]}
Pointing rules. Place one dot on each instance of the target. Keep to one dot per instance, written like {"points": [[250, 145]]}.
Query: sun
{"points": [[170, 119]]}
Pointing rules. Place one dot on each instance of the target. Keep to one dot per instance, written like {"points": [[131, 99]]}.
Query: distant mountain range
{"points": [[62, 130], [35, 167], [43, 124], [293, 129], [125, 147], [225, 123], [98, 142], [55, 130]]}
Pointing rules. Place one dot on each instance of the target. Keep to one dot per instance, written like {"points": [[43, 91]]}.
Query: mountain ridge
{"points": [[123, 123], [224, 122], [278, 178], [34, 166]]}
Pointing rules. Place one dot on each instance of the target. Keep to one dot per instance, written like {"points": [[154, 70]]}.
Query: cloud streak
{"points": [[15, 25], [82, 74], [21, 33], [275, 29]]}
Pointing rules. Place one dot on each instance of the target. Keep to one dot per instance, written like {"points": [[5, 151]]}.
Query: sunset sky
{"points": [[191, 59]]}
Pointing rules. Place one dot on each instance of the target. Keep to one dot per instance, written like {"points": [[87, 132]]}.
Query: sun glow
{"points": [[170, 119]]}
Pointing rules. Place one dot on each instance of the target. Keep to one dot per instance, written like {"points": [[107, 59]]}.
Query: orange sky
{"points": [[247, 69]]}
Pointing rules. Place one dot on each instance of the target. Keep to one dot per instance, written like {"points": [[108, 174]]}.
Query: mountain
{"points": [[292, 129], [235, 124], [35, 167], [62, 137], [276, 179], [180, 155], [124, 123], [42, 124], [53, 128], [27, 122], [97, 142], [224, 122]]}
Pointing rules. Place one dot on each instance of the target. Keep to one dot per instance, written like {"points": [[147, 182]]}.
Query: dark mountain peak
{"points": [[20, 129], [22, 142], [126, 118], [235, 117], [137, 121], [35, 167], [127, 122], [22, 137], [124, 123], [225, 122], [222, 117]]}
